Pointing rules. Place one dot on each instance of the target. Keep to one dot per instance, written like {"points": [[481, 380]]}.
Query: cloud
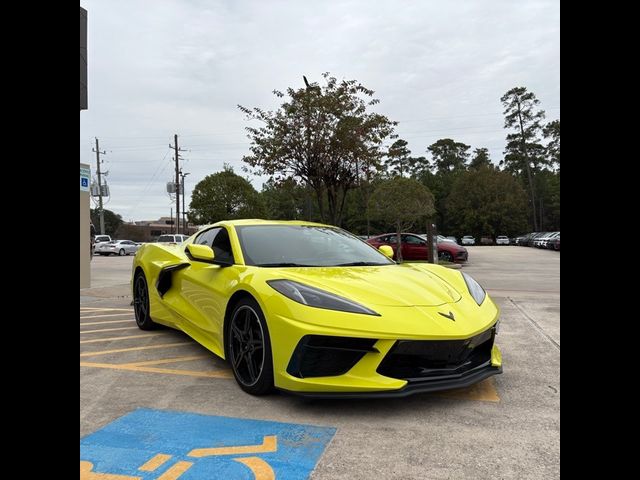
{"points": [[165, 67]]}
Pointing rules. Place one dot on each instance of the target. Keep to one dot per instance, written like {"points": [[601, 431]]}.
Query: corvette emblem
{"points": [[449, 316]]}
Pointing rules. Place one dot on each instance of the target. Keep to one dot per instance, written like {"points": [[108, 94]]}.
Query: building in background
{"points": [[85, 172], [149, 230]]}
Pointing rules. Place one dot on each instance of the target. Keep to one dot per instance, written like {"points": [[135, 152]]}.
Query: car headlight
{"points": [[314, 297], [476, 291]]}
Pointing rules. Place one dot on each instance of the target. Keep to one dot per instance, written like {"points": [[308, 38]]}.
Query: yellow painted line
{"points": [[132, 349], [261, 469], [168, 360], [133, 368], [484, 391], [108, 321], [155, 462], [85, 317], [104, 309], [269, 444], [175, 471], [108, 330], [86, 473], [120, 338]]}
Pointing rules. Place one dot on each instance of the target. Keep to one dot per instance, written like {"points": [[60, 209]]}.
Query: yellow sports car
{"points": [[313, 310]]}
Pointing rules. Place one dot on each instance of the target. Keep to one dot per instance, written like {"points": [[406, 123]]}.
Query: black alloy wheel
{"points": [[249, 348], [445, 256], [141, 303]]}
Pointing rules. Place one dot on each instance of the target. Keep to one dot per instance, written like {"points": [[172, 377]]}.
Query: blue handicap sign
{"points": [[84, 182], [152, 444]]}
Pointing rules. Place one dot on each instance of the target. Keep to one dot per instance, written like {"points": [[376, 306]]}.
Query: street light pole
{"points": [[184, 213]]}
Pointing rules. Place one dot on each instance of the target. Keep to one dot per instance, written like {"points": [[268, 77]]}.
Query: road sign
{"points": [[85, 176]]}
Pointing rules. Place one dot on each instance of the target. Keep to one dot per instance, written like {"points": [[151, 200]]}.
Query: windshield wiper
{"points": [[361, 264], [283, 264]]}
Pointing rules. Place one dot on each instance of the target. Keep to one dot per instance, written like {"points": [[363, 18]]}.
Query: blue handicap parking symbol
{"points": [[84, 182], [159, 444]]}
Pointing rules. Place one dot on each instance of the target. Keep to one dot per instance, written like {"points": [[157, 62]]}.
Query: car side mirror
{"points": [[200, 253], [386, 250]]}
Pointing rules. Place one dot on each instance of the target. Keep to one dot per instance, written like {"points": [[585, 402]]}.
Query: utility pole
{"points": [[100, 209], [175, 147], [184, 211]]}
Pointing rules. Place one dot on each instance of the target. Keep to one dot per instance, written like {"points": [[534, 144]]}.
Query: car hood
{"points": [[392, 285]]}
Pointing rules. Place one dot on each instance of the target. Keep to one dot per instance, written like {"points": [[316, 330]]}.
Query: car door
{"points": [[205, 288], [128, 247], [413, 247]]}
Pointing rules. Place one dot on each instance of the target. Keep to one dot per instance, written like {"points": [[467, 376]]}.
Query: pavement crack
{"points": [[534, 323]]}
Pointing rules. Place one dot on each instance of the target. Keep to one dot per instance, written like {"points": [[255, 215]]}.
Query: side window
{"points": [[218, 240], [412, 240], [222, 246], [206, 237]]}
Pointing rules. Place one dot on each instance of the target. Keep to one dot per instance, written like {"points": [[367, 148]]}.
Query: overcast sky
{"points": [[159, 68]]}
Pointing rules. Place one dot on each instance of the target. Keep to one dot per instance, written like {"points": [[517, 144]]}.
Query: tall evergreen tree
{"points": [[524, 153], [480, 159]]}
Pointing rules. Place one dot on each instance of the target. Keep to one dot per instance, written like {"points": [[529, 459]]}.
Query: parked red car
{"points": [[414, 247]]}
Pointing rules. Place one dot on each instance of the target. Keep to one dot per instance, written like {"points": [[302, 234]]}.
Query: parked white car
{"points": [[468, 240], [100, 239], [117, 247], [502, 240]]}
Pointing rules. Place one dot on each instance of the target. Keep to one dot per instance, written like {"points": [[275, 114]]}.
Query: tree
{"points": [[284, 200], [449, 160], [551, 131], [486, 201], [448, 155], [523, 151], [224, 196], [401, 202], [323, 137], [111, 221], [480, 159], [398, 158]]}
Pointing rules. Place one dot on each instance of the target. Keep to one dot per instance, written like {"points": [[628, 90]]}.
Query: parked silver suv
{"points": [[168, 238]]}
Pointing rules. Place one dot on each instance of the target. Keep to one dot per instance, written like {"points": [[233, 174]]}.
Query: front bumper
{"points": [[465, 380], [461, 256], [368, 364]]}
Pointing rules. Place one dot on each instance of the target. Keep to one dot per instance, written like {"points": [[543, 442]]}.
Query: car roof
{"points": [[259, 221]]}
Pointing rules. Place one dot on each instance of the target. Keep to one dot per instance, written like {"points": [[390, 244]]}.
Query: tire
{"points": [[121, 252], [248, 348], [446, 256], [141, 303]]}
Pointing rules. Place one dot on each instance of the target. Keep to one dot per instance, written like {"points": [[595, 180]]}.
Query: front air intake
{"points": [[324, 356]]}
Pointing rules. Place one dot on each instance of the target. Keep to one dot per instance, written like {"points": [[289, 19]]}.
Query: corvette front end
{"points": [[401, 349]]}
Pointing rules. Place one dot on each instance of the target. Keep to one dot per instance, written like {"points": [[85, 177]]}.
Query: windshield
{"points": [[306, 246], [165, 238]]}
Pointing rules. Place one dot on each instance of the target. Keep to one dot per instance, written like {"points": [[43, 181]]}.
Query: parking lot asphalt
{"points": [[505, 427]]}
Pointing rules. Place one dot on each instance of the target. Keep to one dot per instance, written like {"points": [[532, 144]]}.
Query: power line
{"points": [[146, 188]]}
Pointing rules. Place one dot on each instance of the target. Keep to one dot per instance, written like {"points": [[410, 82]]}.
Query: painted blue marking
{"points": [[127, 443]]}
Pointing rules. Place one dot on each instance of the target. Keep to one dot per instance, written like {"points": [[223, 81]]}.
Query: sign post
{"points": [[85, 230]]}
